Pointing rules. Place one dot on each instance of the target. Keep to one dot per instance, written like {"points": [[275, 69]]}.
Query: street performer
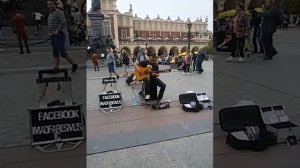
{"points": [[152, 81]]}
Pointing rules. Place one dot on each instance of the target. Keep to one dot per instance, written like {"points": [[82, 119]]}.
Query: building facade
{"points": [[158, 35]]}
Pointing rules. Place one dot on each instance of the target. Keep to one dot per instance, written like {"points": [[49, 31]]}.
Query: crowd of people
{"points": [[252, 32]]}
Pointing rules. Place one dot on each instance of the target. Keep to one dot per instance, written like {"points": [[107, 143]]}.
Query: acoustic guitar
{"points": [[146, 72]]}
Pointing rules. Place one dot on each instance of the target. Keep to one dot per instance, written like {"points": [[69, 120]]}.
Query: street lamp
{"points": [[189, 25], [146, 47]]}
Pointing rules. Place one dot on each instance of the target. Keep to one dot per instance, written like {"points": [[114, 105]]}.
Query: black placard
{"points": [[56, 124], [110, 100]]}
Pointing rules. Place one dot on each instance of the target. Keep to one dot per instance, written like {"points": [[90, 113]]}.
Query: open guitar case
{"points": [[190, 102], [236, 120]]}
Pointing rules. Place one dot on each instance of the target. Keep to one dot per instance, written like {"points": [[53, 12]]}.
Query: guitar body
{"points": [[144, 74]]}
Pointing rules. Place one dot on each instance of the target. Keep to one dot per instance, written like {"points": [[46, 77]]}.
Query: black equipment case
{"points": [[237, 121], [190, 102]]}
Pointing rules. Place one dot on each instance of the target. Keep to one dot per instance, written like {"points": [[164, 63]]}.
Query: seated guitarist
{"points": [[153, 80]]}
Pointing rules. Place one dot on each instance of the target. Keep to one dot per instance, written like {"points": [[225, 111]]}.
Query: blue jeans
{"points": [[58, 45]]}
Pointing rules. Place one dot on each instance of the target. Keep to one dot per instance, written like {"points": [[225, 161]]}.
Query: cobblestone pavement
{"points": [[189, 152]]}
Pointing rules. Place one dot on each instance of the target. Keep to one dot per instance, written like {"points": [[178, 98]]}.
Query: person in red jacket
{"points": [[19, 26], [95, 61]]}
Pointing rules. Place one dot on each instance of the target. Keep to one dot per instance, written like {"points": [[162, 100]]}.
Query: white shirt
{"points": [[38, 16]]}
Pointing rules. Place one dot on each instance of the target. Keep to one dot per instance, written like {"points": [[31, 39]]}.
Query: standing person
{"points": [[126, 61], [240, 29], [200, 58], [254, 25], [194, 61], [38, 21], [19, 26], [111, 62], [271, 18], [141, 55], [95, 61], [56, 30], [187, 60]]}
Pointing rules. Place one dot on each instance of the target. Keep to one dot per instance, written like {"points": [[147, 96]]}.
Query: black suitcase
{"points": [[235, 120], [129, 79], [190, 102]]}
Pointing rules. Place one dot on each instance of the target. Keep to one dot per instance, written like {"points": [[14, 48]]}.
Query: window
{"points": [[123, 33], [106, 28], [127, 22], [154, 36]]}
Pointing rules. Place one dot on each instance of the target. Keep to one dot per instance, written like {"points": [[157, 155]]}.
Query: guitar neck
{"points": [[158, 71]]}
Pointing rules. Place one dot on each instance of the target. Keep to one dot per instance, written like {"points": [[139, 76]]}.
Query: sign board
{"points": [[110, 101], [56, 124]]}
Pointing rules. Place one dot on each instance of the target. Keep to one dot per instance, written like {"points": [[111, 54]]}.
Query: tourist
{"points": [[240, 29], [56, 30], [19, 25], [126, 62]]}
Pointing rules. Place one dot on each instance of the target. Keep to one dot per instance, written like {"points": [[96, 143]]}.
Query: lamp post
{"points": [[146, 47], [189, 25]]}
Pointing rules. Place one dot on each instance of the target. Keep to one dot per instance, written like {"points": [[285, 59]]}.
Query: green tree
{"points": [[209, 48]]}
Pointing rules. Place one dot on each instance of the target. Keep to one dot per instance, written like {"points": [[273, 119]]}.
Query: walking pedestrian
{"points": [[56, 30], [38, 21], [271, 18], [95, 61], [126, 62], [240, 32], [19, 26], [111, 62]]}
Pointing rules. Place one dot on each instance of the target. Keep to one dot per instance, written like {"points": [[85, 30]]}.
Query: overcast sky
{"points": [[192, 9]]}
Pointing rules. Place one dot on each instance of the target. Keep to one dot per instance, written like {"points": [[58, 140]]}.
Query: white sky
{"points": [[192, 9]]}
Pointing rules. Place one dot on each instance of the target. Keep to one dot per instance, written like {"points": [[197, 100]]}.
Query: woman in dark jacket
{"points": [[126, 62]]}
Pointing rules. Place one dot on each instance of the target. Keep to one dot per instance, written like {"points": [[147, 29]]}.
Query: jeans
{"points": [[237, 44], [270, 51], [151, 85]]}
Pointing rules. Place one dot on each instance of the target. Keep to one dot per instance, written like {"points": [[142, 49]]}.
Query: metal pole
{"points": [[189, 40]]}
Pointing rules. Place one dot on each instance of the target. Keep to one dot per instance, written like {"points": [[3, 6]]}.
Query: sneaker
{"points": [[183, 73], [74, 67], [147, 97], [187, 73], [241, 59], [261, 55], [229, 59]]}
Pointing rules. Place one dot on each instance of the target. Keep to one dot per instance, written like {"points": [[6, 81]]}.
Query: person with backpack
{"points": [[126, 61], [271, 18]]}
